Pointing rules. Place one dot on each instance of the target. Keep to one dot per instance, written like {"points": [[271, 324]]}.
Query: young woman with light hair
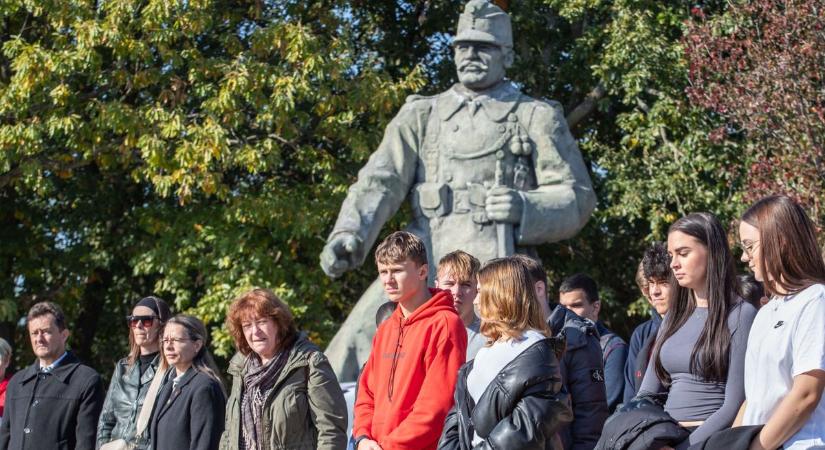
{"points": [[508, 396]]}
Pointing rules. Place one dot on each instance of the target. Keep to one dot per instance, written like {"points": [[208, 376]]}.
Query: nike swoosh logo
{"points": [[779, 324]]}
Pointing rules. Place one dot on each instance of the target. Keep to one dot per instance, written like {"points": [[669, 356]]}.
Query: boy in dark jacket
{"points": [[582, 369], [55, 402], [406, 388], [580, 294]]}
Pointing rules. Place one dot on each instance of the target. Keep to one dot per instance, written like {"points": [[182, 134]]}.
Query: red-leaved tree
{"points": [[761, 67]]}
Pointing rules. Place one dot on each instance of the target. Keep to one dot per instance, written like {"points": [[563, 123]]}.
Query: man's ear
{"points": [[65, 333], [541, 290], [423, 271], [509, 57], [597, 307]]}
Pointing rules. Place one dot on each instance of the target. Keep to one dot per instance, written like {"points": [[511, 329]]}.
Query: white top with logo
{"points": [[787, 339]]}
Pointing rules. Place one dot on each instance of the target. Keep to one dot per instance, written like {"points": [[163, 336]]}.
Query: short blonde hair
{"points": [[460, 264], [507, 304], [399, 247]]}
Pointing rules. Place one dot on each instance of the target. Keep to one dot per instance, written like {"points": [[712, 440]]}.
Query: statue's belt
{"points": [[441, 199]]}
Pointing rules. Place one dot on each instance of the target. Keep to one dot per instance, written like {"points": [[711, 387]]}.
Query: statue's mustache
{"points": [[473, 64]]}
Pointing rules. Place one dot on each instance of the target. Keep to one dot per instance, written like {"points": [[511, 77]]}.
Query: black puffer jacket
{"points": [[522, 408], [645, 426], [582, 372]]}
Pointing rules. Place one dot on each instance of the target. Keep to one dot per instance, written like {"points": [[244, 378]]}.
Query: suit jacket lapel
{"points": [[168, 395]]}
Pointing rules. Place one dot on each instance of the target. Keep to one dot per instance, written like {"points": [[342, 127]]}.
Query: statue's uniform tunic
{"points": [[446, 152], [449, 150]]}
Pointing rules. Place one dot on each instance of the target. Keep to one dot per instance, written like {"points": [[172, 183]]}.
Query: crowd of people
{"points": [[479, 361]]}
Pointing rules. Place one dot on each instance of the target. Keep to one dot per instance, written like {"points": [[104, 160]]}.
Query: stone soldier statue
{"points": [[488, 170]]}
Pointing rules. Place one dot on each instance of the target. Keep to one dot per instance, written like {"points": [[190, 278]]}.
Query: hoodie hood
{"points": [[440, 301]]}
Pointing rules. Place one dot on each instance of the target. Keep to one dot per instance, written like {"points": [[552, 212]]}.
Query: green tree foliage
{"points": [[190, 149], [193, 149]]}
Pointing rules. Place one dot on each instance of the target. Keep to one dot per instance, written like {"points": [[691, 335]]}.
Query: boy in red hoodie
{"points": [[407, 385]]}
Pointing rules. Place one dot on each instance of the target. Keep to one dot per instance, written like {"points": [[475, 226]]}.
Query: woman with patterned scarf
{"points": [[284, 392]]}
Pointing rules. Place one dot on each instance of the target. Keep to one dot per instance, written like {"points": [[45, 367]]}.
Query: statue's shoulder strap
{"points": [[541, 109], [417, 97]]}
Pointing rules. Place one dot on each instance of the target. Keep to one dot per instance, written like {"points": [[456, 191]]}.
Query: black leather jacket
{"points": [[522, 408], [127, 389]]}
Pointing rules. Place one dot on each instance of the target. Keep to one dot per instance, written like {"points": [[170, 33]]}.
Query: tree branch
{"points": [[587, 106]]}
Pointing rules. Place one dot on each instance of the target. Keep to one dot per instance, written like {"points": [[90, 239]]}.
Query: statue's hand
{"points": [[504, 205], [341, 253]]}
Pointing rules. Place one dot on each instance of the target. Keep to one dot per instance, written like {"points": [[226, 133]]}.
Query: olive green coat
{"points": [[305, 410]]}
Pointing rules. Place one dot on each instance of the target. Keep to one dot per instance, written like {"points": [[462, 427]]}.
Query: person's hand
{"points": [[504, 205], [368, 444], [342, 253]]}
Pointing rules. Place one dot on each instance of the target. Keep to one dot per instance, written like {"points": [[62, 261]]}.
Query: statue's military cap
{"points": [[483, 21]]}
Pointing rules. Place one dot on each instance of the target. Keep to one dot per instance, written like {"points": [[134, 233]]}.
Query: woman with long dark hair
{"points": [[785, 362], [189, 413], [699, 354], [133, 375]]}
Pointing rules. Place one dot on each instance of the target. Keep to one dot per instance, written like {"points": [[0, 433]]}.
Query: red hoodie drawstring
{"points": [[395, 358]]}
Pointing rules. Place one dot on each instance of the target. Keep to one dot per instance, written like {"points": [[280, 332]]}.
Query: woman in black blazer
{"points": [[189, 412]]}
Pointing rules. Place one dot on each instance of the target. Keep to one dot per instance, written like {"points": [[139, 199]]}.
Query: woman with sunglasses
{"points": [[785, 361], [133, 374], [189, 413], [699, 355]]}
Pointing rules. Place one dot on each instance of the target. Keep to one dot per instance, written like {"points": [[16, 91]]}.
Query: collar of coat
{"points": [[496, 103], [168, 396], [62, 372], [132, 373]]}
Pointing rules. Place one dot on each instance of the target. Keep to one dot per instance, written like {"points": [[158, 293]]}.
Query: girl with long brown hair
{"points": [[785, 362], [698, 358]]}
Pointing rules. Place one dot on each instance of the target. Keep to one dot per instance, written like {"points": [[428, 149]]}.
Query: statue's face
{"points": [[480, 65]]}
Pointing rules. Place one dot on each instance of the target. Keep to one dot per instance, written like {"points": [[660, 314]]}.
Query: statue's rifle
{"points": [[504, 231]]}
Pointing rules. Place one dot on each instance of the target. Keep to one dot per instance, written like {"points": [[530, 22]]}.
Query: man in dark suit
{"points": [[55, 402]]}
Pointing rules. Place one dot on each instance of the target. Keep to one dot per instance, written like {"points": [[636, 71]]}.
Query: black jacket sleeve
{"points": [[206, 417], [91, 402], [581, 368]]}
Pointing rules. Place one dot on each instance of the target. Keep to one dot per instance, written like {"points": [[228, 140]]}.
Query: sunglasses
{"points": [[145, 320]]}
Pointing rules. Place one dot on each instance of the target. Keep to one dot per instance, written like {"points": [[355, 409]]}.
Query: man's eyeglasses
{"points": [[146, 321]]}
